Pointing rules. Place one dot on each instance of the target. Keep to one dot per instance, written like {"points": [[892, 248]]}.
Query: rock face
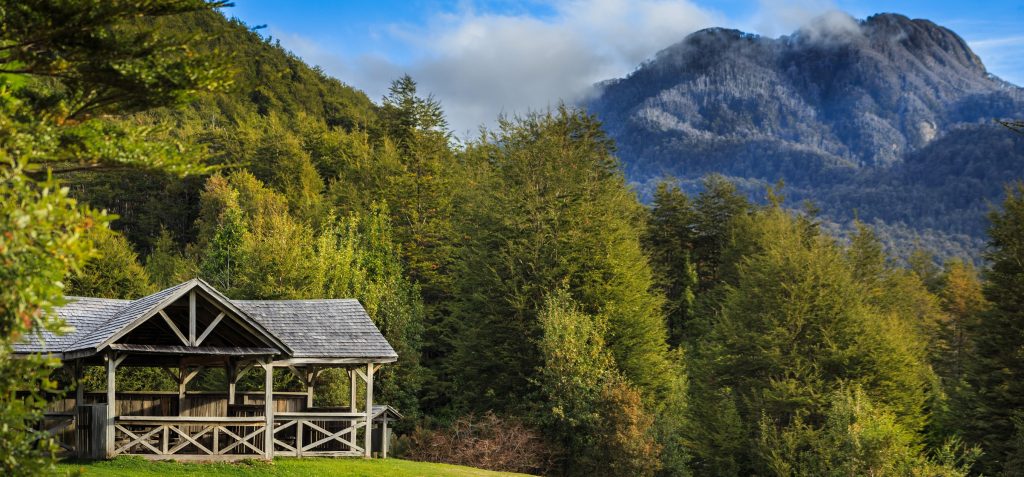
{"points": [[839, 104]]}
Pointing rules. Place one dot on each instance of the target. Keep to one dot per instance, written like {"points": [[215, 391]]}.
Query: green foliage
{"points": [[796, 326], [856, 438], [252, 247], [165, 265], [551, 210], [69, 69], [596, 414], [669, 239], [996, 369], [114, 273], [41, 240]]}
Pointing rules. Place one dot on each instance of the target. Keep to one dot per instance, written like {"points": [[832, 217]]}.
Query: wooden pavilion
{"points": [[191, 327]]}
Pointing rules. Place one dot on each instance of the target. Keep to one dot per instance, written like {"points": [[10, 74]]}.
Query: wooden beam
{"points": [[367, 445], [352, 401], [298, 374], [384, 438], [79, 384], [210, 328], [111, 402], [174, 327], [192, 318], [174, 376], [310, 378], [187, 378], [232, 380], [268, 410]]}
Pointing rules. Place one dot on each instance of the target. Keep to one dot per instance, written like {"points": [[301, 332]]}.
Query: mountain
{"points": [[887, 119]]}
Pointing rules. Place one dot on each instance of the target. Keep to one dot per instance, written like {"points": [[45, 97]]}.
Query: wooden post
{"points": [[192, 318], [310, 376], [367, 438], [384, 438], [182, 371], [79, 385], [352, 403], [268, 410], [112, 363], [232, 379]]}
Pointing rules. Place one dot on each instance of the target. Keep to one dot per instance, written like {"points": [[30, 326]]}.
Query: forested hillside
{"points": [[888, 119], [546, 320]]}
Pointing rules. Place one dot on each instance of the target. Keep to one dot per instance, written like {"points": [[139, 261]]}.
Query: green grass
{"points": [[344, 467]]}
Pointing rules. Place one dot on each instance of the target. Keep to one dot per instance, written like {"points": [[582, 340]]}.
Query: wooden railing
{"points": [[202, 438], [301, 434]]}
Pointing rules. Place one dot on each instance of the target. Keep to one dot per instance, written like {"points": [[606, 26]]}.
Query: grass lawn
{"points": [[345, 467]]}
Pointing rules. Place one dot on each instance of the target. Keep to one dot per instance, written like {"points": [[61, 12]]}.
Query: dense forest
{"points": [[888, 120], [531, 296]]}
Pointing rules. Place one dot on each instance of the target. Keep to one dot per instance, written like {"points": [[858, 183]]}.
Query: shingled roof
{"points": [[322, 329]]}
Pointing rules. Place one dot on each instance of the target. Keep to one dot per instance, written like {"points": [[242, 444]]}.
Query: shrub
{"points": [[485, 442]]}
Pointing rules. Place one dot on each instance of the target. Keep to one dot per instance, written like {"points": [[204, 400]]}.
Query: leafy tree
{"points": [[69, 69], [286, 258], [857, 438], [165, 265], [115, 271], [552, 211], [594, 412], [796, 326]]}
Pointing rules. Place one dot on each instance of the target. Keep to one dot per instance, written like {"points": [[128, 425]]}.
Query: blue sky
{"points": [[485, 58]]}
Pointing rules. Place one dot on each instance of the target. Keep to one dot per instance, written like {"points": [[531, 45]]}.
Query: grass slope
{"points": [[137, 466]]}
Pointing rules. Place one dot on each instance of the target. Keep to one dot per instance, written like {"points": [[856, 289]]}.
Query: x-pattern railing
{"points": [[169, 436], [320, 434]]}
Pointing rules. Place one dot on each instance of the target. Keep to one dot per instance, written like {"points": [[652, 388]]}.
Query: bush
{"points": [[488, 442]]}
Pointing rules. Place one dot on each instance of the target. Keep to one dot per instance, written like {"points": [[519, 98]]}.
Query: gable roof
{"points": [[321, 328], [300, 328]]}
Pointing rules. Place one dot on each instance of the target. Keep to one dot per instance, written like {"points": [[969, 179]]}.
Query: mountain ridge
{"points": [[839, 105]]}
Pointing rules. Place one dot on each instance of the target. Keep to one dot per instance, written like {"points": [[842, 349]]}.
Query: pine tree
{"points": [[996, 371], [552, 211], [796, 326], [669, 239]]}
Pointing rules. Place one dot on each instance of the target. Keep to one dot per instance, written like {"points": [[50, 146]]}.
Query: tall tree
{"points": [[69, 69], [996, 372], [419, 190], [796, 326], [553, 211], [669, 239]]}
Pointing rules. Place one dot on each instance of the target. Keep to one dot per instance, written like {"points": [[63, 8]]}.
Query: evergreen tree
{"points": [[996, 372], [554, 211], [114, 273], [797, 325], [669, 239], [595, 414]]}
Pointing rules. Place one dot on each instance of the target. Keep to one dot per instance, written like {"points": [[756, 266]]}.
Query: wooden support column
{"points": [[232, 373], [113, 361], [182, 371], [384, 438], [310, 377], [79, 385], [352, 403], [268, 410], [368, 437], [192, 318]]}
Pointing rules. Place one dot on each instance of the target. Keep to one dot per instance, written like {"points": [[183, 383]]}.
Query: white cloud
{"points": [[482, 64]]}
